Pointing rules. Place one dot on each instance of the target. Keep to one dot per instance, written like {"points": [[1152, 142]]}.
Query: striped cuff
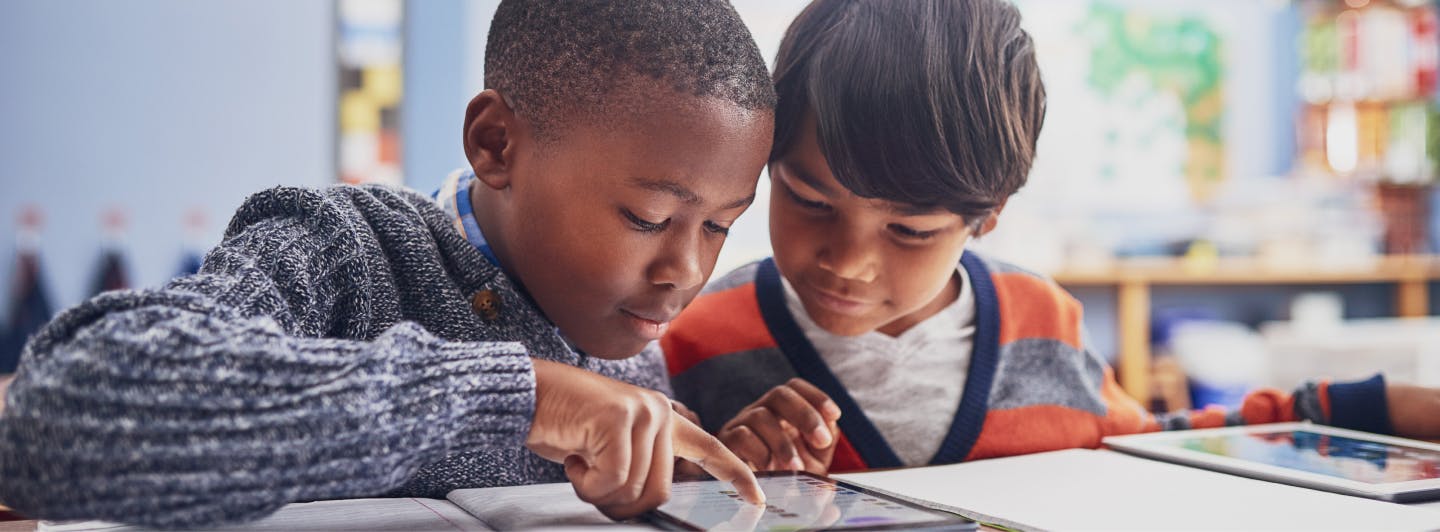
{"points": [[1308, 404], [1361, 405]]}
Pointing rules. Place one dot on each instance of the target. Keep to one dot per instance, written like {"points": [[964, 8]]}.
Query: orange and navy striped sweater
{"points": [[1032, 386]]}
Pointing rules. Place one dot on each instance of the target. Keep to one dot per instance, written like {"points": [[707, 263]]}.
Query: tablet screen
{"points": [[793, 502], [1336, 456]]}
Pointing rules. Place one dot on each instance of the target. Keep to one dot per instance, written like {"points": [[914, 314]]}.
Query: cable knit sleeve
{"points": [[225, 395]]}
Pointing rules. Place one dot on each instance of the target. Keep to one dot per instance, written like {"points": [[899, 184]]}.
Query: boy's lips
{"points": [[838, 303], [648, 324]]}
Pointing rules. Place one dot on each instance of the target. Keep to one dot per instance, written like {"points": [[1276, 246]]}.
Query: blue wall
{"points": [[156, 107], [438, 57], [162, 106]]}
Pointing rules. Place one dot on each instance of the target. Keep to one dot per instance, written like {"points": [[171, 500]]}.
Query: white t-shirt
{"points": [[910, 385]]}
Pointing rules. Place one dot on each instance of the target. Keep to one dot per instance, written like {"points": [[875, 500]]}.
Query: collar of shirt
{"points": [[454, 199]]}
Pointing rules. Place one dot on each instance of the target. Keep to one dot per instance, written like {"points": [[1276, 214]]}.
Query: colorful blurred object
{"points": [[1178, 55], [1406, 213], [111, 273], [29, 306], [370, 59], [191, 258], [1368, 80]]}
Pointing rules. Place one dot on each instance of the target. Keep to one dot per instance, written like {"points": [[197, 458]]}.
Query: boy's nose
{"points": [[678, 267], [849, 259]]}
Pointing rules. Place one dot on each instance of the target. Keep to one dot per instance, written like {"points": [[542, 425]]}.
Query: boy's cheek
{"points": [[795, 241]]}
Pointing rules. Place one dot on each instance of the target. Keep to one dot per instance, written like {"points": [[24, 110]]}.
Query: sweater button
{"points": [[486, 303]]}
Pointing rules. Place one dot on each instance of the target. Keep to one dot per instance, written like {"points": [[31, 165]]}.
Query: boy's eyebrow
{"points": [[669, 187], [902, 209], [910, 209], [810, 180], [742, 202], [686, 195]]}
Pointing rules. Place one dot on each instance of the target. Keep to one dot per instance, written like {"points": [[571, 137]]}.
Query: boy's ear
{"points": [[491, 131], [991, 220]]}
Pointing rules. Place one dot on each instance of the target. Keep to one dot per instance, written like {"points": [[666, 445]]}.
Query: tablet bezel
{"points": [[1150, 445], [946, 520]]}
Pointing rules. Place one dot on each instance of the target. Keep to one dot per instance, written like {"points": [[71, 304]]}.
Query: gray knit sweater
{"points": [[327, 349]]}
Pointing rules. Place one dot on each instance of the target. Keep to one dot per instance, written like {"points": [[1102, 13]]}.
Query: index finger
{"points": [[816, 398], [800, 413], [685, 411], [694, 444]]}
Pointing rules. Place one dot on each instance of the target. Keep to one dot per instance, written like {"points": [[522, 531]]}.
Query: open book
{"points": [[508, 508]]}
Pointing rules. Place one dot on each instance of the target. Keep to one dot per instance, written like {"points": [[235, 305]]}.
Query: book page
{"points": [[349, 514]]}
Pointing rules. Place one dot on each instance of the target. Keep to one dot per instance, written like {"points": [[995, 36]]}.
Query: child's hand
{"points": [[685, 468], [685, 411], [1414, 411], [619, 442], [792, 427]]}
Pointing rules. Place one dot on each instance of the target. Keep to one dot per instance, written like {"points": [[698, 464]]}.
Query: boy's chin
{"points": [[613, 349], [615, 356], [845, 326]]}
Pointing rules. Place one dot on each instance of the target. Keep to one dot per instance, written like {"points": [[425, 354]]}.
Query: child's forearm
{"points": [[169, 417], [213, 400], [1414, 410]]}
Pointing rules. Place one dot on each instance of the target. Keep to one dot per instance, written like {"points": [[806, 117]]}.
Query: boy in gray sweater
{"points": [[359, 341]]}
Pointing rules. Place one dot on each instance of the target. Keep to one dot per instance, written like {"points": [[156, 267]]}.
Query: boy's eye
{"points": [[818, 206], [644, 225], [717, 228], [911, 233]]}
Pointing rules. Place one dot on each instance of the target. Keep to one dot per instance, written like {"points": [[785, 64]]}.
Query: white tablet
{"points": [[797, 501], [1302, 454]]}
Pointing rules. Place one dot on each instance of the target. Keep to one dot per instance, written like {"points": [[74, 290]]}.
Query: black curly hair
{"points": [[556, 60]]}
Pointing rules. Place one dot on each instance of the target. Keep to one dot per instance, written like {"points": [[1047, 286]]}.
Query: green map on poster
{"points": [[1175, 53]]}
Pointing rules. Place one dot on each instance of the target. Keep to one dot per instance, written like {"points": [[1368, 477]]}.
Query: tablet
{"points": [[796, 501], [1302, 454]]}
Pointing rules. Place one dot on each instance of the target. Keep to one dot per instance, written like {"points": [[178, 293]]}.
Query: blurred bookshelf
{"points": [[1133, 278], [1367, 84], [1359, 199]]}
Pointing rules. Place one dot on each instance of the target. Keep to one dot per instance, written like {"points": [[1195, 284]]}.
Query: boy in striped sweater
{"points": [[901, 130]]}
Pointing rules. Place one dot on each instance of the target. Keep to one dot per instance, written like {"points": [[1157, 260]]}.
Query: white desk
{"points": [[1081, 489], [1076, 489]]}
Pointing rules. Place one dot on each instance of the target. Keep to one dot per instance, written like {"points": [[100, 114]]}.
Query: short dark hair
{"points": [[555, 59], [924, 102]]}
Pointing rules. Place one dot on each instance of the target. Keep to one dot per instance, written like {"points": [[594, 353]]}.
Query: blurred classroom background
{"points": [[1241, 192]]}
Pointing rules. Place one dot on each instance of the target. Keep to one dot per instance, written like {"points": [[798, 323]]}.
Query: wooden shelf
{"points": [[1239, 271], [1132, 280]]}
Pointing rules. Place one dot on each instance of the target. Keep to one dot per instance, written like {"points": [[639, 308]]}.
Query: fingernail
{"points": [[831, 410], [797, 464], [821, 436]]}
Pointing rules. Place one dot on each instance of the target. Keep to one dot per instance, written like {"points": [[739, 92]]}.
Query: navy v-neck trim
{"points": [[862, 434], [984, 359]]}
